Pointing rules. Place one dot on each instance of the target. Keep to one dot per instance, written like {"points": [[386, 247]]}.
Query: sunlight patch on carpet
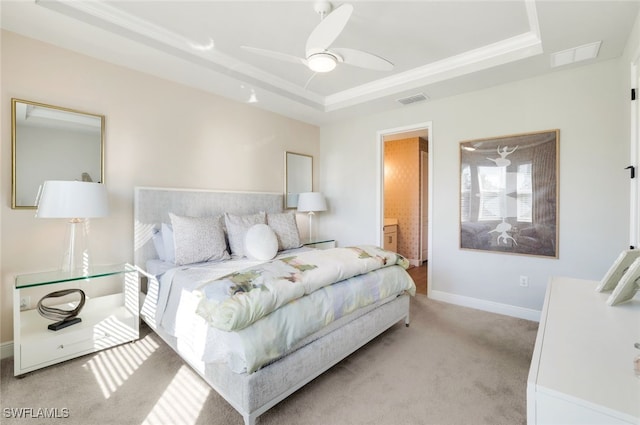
{"points": [[111, 368], [181, 402]]}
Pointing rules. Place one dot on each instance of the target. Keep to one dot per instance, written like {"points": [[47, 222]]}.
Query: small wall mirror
{"points": [[52, 143], [298, 177]]}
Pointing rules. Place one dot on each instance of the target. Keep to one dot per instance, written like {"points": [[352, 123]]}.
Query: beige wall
{"points": [[158, 133]]}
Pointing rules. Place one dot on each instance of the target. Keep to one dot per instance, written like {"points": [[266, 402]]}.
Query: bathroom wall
{"points": [[402, 191]]}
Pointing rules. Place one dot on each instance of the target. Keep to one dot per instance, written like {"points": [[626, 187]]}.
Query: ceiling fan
{"points": [[320, 56]]}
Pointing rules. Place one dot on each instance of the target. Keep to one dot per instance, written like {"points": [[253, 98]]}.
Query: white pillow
{"points": [[237, 226], [167, 240], [158, 243], [260, 242]]}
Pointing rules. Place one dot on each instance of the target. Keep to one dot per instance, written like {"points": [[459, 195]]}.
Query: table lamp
{"points": [[311, 202], [76, 201]]}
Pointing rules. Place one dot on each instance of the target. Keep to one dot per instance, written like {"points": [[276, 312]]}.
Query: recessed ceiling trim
{"points": [[115, 20], [532, 15], [515, 48], [509, 50]]}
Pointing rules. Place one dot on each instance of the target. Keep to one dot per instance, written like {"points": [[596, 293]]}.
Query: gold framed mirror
{"points": [[298, 177], [52, 143]]}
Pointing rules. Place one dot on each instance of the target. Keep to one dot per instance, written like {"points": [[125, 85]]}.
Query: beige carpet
{"points": [[453, 365]]}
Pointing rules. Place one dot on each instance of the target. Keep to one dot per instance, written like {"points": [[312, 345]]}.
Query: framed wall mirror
{"points": [[509, 194], [52, 143], [298, 177]]}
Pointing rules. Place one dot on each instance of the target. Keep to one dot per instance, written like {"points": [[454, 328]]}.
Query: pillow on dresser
{"points": [[198, 239], [286, 229], [260, 242], [237, 226]]}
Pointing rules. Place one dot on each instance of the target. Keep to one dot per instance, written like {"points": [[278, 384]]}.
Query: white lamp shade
{"points": [[311, 202], [72, 199]]}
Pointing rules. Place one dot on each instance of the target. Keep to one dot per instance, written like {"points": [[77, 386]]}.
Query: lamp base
{"points": [[76, 255], [311, 235]]}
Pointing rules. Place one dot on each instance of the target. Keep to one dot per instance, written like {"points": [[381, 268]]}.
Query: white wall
{"points": [[158, 133], [590, 107]]}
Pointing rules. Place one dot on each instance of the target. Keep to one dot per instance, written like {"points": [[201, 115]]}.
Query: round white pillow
{"points": [[260, 242]]}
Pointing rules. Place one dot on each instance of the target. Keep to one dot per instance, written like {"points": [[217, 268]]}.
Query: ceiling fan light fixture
{"points": [[322, 62]]}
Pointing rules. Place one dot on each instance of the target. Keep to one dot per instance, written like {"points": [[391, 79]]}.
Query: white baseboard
{"points": [[6, 350], [490, 306]]}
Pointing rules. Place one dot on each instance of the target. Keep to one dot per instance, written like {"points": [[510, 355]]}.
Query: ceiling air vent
{"points": [[420, 97]]}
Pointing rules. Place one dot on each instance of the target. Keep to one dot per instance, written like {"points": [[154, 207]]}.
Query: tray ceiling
{"points": [[438, 48]]}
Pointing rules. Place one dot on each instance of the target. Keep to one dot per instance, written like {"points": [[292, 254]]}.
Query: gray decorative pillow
{"points": [[237, 226], [198, 239], [286, 229]]}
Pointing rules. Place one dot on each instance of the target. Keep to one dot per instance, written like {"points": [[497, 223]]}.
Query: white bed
{"points": [[250, 393]]}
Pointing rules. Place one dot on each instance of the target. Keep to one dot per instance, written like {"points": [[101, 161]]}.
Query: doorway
{"points": [[407, 203]]}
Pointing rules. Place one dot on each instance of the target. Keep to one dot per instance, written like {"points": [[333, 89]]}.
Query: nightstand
{"points": [[321, 244], [109, 317]]}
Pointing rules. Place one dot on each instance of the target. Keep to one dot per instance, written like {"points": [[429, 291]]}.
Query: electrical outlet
{"points": [[25, 303], [524, 281]]}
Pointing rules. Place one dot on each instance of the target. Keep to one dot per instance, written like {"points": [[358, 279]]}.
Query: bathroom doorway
{"points": [[404, 195]]}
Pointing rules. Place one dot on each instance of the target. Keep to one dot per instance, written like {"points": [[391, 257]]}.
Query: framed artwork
{"points": [[509, 194]]}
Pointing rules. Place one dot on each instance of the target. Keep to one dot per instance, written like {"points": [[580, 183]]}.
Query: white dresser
{"points": [[582, 366]]}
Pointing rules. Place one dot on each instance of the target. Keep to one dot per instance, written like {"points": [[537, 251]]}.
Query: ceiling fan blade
{"points": [[275, 55], [328, 29], [363, 59]]}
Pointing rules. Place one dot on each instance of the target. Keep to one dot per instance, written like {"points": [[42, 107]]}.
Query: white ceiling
{"points": [[439, 48]]}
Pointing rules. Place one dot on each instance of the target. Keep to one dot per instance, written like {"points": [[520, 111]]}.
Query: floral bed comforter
{"points": [[337, 283], [237, 300]]}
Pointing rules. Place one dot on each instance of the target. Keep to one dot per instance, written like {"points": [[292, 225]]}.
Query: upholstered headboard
{"points": [[152, 207]]}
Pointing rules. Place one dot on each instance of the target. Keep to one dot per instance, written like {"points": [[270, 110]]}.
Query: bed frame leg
{"points": [[250, 419], [406, 321]]}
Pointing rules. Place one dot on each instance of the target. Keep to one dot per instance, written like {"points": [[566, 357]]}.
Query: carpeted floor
{"points": [[453, 365]]}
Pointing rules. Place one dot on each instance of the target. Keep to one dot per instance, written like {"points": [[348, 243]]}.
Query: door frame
{"points": [[634, 186], [428, 126]]}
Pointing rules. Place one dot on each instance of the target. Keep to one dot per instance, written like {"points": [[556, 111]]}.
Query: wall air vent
{"points": [[420, 97]]}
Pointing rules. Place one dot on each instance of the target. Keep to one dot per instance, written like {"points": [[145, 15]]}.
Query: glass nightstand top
{"points": [[318, 242], [58, 276]]}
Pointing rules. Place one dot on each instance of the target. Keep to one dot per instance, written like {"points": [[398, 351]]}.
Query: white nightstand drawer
{"points": [[57, 348], [83, 339]]}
